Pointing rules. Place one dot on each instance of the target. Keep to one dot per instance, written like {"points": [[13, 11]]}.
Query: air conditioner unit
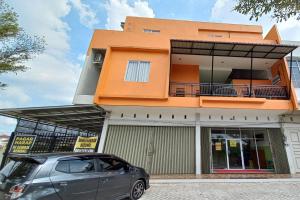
{"points": [[98, 58]]}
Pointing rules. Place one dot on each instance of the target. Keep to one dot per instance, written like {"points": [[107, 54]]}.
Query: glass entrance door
{"points": [[234, 154], [240, 149]]}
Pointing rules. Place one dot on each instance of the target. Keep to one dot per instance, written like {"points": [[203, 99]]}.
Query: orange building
{"points": [[188, 97], [180, 97]]}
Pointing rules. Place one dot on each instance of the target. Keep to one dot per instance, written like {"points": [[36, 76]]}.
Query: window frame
{"points": [[138, 72], [77, 158], [100, 169], [147, 30], [296, 66]]}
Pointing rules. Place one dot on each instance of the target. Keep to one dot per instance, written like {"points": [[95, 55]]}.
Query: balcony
{"points": [[229, 69], [228, 90]]}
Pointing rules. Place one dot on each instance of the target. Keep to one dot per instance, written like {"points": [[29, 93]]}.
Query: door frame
{"points": [[241, 152]]}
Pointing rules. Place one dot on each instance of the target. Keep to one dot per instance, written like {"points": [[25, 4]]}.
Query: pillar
{"points": [[103, 135], [198, 144]]}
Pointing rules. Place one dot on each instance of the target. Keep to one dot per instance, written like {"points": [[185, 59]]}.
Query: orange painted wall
{"points": [[113, 84], [133, 43], [185, 73], [278, 69]]}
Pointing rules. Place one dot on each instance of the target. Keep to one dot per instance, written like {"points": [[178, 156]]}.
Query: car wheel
{"points": [[137, 190]]}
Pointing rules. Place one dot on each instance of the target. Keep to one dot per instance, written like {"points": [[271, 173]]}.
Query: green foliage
{"points": [[281, 10], [16, 46]]}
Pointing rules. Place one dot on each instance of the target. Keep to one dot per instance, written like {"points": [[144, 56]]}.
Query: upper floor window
{"points": [[137, 71], [151, 31], [296, 72]]}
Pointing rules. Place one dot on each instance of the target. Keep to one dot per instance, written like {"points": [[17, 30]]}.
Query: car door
{"points": [[115, 178], [76, 179]]}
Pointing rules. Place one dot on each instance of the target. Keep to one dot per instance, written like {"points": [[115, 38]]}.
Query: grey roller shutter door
{"points": [[160, 150], [205, 150], [278, 151]]}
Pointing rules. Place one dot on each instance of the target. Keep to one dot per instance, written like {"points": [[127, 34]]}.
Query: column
{"points": [[103, 135], [288, 149], [198, 144]]}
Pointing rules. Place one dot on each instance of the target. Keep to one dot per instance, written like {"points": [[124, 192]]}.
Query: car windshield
{"points": [[18, 169]]}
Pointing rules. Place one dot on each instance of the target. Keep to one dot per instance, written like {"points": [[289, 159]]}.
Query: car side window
{"points": [[112, 164], [76, 166], [82, 166], [62, 166]]}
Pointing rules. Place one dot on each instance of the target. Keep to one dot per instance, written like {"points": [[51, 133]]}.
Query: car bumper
{"points": [[147, 186]]}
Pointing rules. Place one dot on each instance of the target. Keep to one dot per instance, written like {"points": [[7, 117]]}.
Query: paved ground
{"points": [[224, 191]]}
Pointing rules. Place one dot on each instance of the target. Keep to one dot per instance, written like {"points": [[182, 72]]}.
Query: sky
{"points": [[68, 25]]}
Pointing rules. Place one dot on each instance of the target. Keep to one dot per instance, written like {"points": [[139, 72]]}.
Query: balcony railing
{"points": [[227, 90]]}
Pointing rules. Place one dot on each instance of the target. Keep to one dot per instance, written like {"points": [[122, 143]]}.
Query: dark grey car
{"points": [[71, 176]]}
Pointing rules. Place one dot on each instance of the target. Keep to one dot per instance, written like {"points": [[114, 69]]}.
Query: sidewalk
{"points": [[223, 189]]}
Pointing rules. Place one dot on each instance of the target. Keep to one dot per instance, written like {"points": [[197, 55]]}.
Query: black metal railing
{"points": [[228, 90]]}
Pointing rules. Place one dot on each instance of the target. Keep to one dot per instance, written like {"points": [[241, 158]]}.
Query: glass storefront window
{"points": [[244, 148], [247, 133], [217, 133], [250, 154], [263, 149], [232, 133], [219, 154]]}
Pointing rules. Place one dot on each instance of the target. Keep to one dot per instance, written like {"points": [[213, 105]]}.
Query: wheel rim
{"points": [[138, 190]]}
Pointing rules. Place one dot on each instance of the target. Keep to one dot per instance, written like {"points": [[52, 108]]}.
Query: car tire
{"points": [[137, 190]]}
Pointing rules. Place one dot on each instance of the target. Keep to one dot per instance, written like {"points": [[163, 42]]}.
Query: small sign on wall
{"points": [[85, 144], [218, 146], [22, 144], [232, 143]]}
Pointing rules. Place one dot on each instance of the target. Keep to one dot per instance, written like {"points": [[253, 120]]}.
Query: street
{"points": [[224, 191]]}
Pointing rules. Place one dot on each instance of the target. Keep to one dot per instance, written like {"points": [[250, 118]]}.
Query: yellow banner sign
{"points": [[232, 143], [85, 144], [22, 144]]}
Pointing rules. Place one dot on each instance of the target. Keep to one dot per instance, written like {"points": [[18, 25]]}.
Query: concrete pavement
{"points": [[224, 189]]}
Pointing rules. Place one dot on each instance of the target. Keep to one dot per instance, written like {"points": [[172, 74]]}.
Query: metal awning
{"points": [[231, 49], [83, 117]]}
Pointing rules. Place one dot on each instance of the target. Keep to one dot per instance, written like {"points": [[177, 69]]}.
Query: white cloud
{"points": [[13, 92], [52, 77], [81, 57], [51, 74], [87, 16], [117, 10], [222, 11]]}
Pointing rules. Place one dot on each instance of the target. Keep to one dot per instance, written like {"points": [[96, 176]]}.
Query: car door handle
{"points": [[63, 184]]}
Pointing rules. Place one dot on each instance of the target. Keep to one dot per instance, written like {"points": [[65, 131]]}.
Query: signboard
{"points": [[232, 143], [85, 144], [218, 146], [22, 144]]}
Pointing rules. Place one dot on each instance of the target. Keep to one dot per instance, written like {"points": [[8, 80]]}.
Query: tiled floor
{"points": [[221, 176], [224, 191]]}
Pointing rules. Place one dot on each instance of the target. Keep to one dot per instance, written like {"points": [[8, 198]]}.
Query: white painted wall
{"points": [[134, 115], [88, 81]]}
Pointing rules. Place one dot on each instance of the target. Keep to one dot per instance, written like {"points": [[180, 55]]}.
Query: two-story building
{"points": [[191, 97], [184, 97]]}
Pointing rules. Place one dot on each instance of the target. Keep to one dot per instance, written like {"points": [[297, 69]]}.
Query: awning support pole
{"points": [[251, 74], [212, 74], [291, 73], [8, 145]]}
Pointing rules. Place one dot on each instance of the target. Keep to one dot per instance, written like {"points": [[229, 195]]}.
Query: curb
{"points": [[190, 181]]}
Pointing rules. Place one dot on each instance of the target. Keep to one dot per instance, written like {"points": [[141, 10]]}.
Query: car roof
{"points": [[45, 156]]}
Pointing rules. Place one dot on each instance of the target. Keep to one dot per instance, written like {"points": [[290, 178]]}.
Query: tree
{"points": [[281, 10], [16, 46]]}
